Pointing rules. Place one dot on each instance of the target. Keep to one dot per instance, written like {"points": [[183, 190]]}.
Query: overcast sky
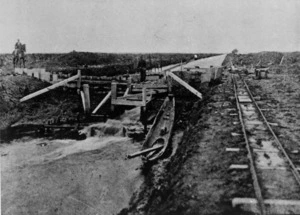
{"points": [[150, 25]]}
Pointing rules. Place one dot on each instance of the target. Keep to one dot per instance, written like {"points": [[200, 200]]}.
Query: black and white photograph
{"points": [[150, 107]]}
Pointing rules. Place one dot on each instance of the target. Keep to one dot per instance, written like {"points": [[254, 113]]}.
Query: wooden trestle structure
{"points": [[136, 94]]}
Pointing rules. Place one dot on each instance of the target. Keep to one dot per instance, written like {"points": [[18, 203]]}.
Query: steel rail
{"points": [[257, 188], [293, 167]]}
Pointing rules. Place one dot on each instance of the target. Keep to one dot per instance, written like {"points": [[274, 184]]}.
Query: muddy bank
{"points": [[197, 179], [58, 104], [54, 103]]}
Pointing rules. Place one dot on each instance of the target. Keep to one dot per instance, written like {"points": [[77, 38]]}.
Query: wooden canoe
{"points": [[161, 130]]}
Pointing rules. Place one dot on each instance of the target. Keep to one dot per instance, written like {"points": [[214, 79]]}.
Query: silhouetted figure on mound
{"points": [[142, 69]]}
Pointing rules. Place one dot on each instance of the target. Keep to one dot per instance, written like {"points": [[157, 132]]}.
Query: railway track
{"points": [[276, 179]]}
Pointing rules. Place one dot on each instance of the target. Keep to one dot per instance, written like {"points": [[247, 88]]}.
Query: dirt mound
{"points": [[260, 59], [291, 58], [58, 103], [263, 59], [12, 88]]}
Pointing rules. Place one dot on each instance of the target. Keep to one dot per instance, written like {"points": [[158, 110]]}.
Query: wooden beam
{"points": [[83, 100], [150, 91], [150, 86], [102, 102], [145, 151], [258, 63], [129, 84], [60, 126], [126, 92], [113, 90], [96, 82], [32, 95], [127, 103], [113, 95], [144, 95], [79, 81], [183, 83], [138, 95], [86, 91]]}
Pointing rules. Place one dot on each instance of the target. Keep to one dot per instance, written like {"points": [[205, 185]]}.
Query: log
{"points": [[281, 60], [83, 100], [144, 151], [86, 91], [150, 86], [127, 102], [32, 95], [183, 83], [102, 102], [61, 126], [79, 80], [113, 95]]}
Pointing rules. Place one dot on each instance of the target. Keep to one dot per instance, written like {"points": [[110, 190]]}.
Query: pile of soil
{"points": [[264, 59], [260, 59], [291, 58], [13, 88], [56, 103]]}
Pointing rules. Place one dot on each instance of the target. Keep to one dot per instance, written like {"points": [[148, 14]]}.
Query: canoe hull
{"points": [[161, 130]]}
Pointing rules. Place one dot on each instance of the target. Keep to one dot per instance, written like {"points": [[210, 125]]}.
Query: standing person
{"points": [[142, 69]]}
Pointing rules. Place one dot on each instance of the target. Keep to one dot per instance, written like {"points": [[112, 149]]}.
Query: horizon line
{"points": [[220, 53]]}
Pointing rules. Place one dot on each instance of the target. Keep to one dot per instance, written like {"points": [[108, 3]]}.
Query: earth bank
{"points": [[197, 180]]}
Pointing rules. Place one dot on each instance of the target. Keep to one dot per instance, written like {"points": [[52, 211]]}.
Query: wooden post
{"points": [[181, 66], [55, 77], [83, 100], [113, 94], [144, 110], [165, 75], [169, 83], [144, 96], [129, 84], [86, 91], [79, 81], [143, 117]]}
